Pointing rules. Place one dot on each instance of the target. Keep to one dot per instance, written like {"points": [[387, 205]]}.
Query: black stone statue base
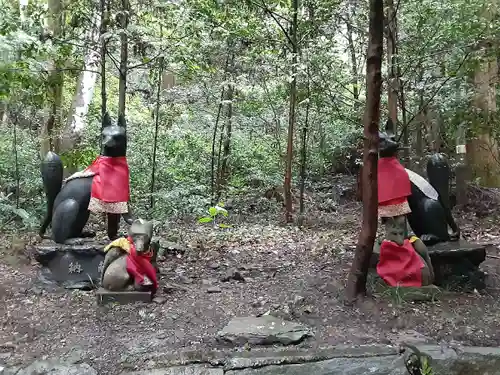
{"points": [[456, 265], [76, 265]]}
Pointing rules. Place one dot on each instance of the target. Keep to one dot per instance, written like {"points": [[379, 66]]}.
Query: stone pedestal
{"points": [[456, 264], [105, 296], [76, 265]]}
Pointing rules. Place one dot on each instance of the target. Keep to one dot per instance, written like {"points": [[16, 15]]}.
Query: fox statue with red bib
{"points": [[130, 263], [103, 187]]}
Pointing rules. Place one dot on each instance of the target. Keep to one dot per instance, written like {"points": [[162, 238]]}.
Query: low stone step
{"points": [[180, 370], [105, 296]]}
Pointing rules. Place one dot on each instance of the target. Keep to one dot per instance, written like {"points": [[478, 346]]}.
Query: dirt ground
{"points": [[296, 274]]}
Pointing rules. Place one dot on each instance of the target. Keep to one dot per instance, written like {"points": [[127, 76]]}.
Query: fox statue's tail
{"points": [[439, 174], [52, 176]]}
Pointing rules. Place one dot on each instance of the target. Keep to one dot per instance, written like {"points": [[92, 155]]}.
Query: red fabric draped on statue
{"points": [[139, 266], [393, 181], [111, 180], [400, 265]]}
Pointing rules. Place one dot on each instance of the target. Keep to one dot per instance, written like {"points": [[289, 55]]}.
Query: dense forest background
{"points": [[226, 98]]}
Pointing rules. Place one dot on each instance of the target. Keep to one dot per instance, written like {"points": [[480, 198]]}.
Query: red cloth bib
{"points": [[111, 181], [400, 265], [139, 266], [393, 181]]}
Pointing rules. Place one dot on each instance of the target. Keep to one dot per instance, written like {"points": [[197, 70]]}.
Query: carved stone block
{"points": [[105, 296], [76, 265]]}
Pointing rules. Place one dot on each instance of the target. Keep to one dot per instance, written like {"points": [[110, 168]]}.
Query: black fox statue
{"points": [[429, 200], [101, 188]]}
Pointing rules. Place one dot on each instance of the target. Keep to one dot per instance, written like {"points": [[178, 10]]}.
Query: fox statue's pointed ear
{"points": [[389, 126], [121, 121], [106, 120]]}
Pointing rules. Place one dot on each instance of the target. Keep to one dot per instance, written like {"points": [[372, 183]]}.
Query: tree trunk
{"points": [[461, 170], [22, 10], [356, 283], [84, 91], [291, 116], [392, 81], [105, 11], [354, 63], [303, 154], [4, 114], [483, 149], [48, 132], [122, 86], [157, 126], [214, 171], [224, 169], [406, 132]]}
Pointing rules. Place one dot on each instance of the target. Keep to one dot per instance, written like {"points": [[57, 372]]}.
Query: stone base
{"points": [[456, 264], [400, 294], [76, 265], [105, 296]]}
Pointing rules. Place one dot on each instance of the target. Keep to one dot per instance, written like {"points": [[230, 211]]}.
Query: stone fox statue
{"points": [[101, 188], [429, 201], [130, 263]]}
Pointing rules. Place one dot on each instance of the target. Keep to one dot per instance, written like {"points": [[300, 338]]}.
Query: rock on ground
{"points": [[51, 367], [264, 330]]}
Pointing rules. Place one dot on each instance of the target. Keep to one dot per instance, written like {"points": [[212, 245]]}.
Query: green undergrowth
{"points": [[183, 161]]}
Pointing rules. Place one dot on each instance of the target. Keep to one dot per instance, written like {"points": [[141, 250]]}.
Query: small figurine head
{"points": [[141, 232], [388, 145], [114, 137], [395, 228]]}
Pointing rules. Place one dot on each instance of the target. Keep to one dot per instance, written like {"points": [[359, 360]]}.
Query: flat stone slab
{"points": [[337, 366], [264, 330], [444, 361], [260, 358], [51, 367], [404, 294], [105, 296], [336, 360], [180, 370]]}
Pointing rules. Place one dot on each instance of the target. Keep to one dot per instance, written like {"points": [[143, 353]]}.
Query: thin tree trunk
{"points": [[104, 29], [291, 116], [356, 283], [157, 124], [122, 86], [392, 81], [48, 133], [105, 12], [224, 164], [16, 162], [303, 154], [84, 91], [484, 153], [406, 133], [214, 173], [354, 64]]}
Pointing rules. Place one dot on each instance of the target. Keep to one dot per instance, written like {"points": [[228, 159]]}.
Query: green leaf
{"points": [[205, 220], [212, 211], [221, 210], [225, 225]]}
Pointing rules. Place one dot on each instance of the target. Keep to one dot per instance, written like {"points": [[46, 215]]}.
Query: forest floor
{"points": [[295, 274]]}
